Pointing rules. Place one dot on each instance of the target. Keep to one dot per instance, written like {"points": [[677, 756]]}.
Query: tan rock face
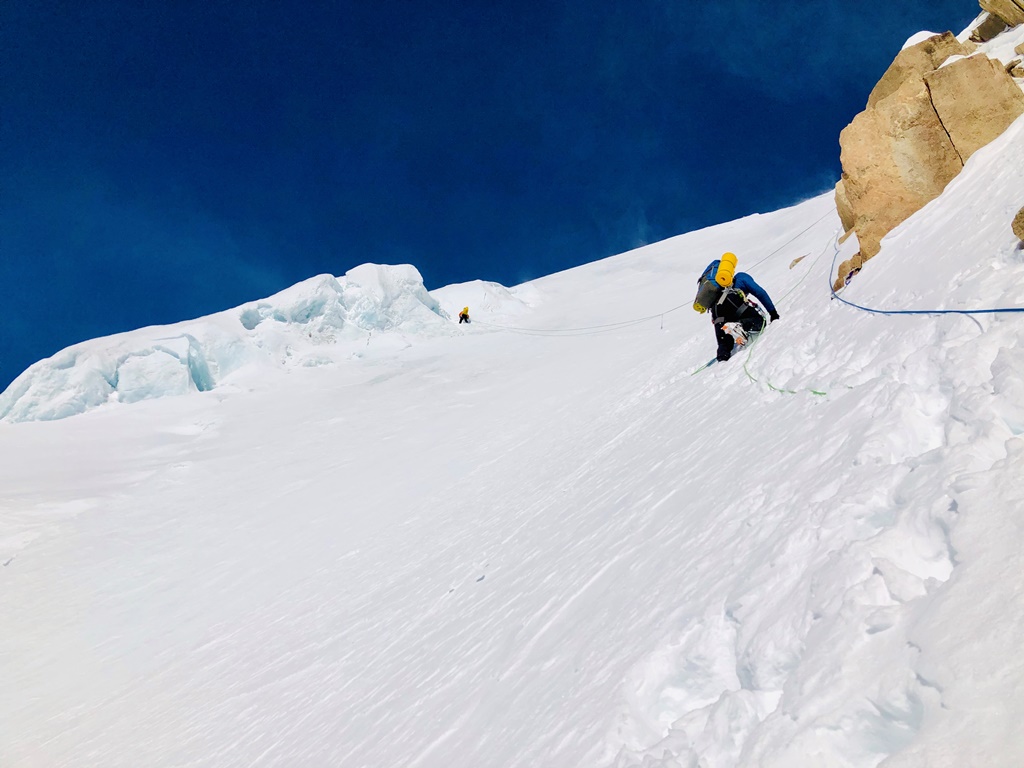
{"points": [[1018, 224], [843, 207], [1010, 11], [915, 62], [976, 100], [921, 124], [896, 157], [847, 269], [990, 26]]}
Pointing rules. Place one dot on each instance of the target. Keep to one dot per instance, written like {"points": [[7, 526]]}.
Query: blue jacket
{"points": [[741, 281]]}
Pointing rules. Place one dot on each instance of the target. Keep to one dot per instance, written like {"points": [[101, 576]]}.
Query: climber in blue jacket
{"points": [[725, 292]]}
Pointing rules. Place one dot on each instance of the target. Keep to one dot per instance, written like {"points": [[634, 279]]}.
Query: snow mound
{"points": [[918, 37], [197, 355], [489, 303]]}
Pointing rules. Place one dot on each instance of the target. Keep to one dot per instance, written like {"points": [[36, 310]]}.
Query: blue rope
{"points": [[835, 295]]}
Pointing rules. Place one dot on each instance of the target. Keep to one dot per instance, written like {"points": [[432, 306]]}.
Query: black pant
{"points": [[753, 323]]}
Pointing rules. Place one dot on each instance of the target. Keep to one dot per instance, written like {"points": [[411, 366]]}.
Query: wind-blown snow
{"points": [[539, 540]]}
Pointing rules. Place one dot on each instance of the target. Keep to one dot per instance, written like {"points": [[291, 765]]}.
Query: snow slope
{"points": [[538, 540]]}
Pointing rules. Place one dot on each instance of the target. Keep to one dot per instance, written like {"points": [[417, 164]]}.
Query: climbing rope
{"points": [[623, 324], [609, 327], [583, 330], [835, 255], [992, 311], [808, 229], [746, 360]]}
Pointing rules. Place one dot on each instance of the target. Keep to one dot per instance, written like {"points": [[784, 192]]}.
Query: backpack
{"points": [[709, 293]]}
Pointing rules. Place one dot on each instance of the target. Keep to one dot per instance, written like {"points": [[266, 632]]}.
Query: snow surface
{"points": [[1002, 46], [918, 37], [363, 535]]}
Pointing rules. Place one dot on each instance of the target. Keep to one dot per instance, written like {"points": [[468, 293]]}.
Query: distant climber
{"points": [[464, 315], [727, 293]]}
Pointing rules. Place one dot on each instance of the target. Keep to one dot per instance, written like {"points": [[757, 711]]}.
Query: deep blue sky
{"points": [[162, 161]]}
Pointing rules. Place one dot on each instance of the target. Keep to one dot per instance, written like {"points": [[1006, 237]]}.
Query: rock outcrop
{"points": [[989, 27], [914, 62], [896, 157], [935, 106], [1018, 224], [1010, 11], [843, 207], [976, 100]]}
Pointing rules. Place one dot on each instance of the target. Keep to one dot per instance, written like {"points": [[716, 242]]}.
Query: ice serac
{"points": [[370, 297], [387, 297], [306, 324]]}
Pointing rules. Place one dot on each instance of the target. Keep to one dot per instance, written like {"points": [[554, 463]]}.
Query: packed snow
{"points": [[336, 528]]}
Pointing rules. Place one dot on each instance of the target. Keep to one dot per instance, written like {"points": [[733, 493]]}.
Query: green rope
{"points": [[746, 361]]}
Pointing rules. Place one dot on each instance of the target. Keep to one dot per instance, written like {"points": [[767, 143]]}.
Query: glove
{"points": [[773, 316]]}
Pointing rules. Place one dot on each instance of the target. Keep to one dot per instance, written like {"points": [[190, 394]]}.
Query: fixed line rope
{"points": [[992, 311], [746, 361], [583, 330], [819, 220], [835, 295], [595, 329]]}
